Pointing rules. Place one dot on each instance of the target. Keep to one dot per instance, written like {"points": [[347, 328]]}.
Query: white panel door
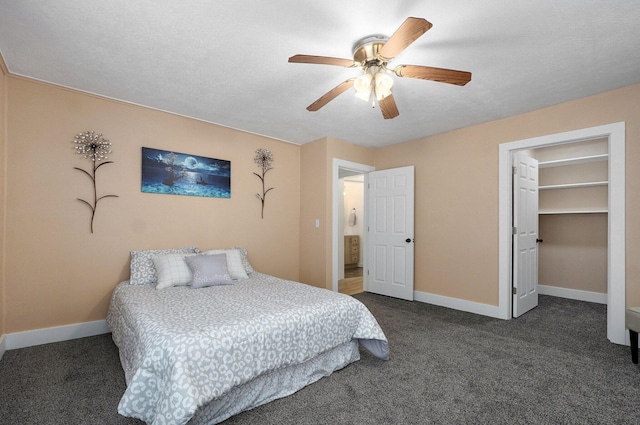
{"points": [[390, 245], [525, 223]]}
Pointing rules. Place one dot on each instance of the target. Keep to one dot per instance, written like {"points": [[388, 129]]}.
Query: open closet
{"points": [[573, 222], [556, 207]]}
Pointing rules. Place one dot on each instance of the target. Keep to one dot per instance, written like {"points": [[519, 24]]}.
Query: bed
{"points": [[202, 354]]}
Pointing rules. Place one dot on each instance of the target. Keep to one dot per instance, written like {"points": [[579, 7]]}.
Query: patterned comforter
{"points": [[182, 347]]}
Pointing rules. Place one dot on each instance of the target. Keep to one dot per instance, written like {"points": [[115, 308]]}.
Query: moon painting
{"points": [[178, 173]]}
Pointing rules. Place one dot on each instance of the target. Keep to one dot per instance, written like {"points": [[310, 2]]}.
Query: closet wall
{"points": [[573, 216]]}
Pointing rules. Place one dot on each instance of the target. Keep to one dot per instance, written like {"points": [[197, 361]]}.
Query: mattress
{"points": [[224, 349]]}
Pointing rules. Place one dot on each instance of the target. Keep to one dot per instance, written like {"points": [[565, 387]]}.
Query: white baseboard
{"points": [[493, 311], [55, 334], [573, 294], [457, 304], [3, 346]]}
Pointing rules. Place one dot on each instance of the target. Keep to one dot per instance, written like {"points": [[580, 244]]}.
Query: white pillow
{"points": [[172, 270], [142, 270], [245, 259], [234, 262]]}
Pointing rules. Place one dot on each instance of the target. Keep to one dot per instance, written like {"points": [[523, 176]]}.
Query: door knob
{"points": [[408, 240], [539, 240]]}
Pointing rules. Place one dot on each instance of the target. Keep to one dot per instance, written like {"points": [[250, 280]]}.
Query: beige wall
{"points": [[313, 195], [457, 192], [574, 252], [57, 272], [3, 161], [353, 198], [316, 244]]}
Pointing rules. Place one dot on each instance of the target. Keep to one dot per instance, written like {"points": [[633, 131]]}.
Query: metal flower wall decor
{"points": [[264, 159], [94, 147]]}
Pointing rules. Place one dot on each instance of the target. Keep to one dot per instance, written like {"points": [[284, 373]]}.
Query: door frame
{"points": [[354, 168], [616, 250]]}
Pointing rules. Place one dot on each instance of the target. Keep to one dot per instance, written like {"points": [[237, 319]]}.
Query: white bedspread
{"points": [[182, 347]]}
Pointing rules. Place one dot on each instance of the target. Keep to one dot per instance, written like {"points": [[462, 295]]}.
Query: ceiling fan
{"points": [[373, 54]]}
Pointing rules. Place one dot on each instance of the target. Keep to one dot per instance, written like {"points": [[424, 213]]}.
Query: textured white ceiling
{"points": [[225, 62]]}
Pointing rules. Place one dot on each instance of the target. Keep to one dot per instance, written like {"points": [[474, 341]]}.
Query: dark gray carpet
{"points": [[552, 366]]}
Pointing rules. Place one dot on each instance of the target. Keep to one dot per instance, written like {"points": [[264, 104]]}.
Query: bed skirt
{"points": [[274, 385]]}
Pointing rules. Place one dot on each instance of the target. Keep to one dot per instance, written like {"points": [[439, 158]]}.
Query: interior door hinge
{"points": [[514, 230], [514, 170], [514, 291]]}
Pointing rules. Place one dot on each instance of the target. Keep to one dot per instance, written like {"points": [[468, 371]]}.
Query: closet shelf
{"points": [[573, 185], [573, 161], [593, 211]]}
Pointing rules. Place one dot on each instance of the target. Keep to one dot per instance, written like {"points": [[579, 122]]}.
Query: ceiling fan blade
{"points": [[410, 30], [388, 107], [331, 94], [323, 60], [442, 75]]}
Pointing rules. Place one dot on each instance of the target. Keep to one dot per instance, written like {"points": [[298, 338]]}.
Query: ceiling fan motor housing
{"points": [[365, 50]]}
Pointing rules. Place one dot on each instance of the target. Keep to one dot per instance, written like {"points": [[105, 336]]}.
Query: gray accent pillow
{"points": [[235, 264], [143, 272], [244, 258], [209, 270]]}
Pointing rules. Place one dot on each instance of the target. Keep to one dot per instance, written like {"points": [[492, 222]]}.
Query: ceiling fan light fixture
{"points": [[364, 95], [383, 84], [363, 82], [362, 85]]}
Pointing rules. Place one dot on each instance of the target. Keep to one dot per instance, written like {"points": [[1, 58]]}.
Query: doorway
{"points": [[340, 170], [616, 282], [353, 209], [560, 213]]}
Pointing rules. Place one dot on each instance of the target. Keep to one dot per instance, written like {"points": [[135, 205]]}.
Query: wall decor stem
{"points": [[264, 159], [94, 147]]}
